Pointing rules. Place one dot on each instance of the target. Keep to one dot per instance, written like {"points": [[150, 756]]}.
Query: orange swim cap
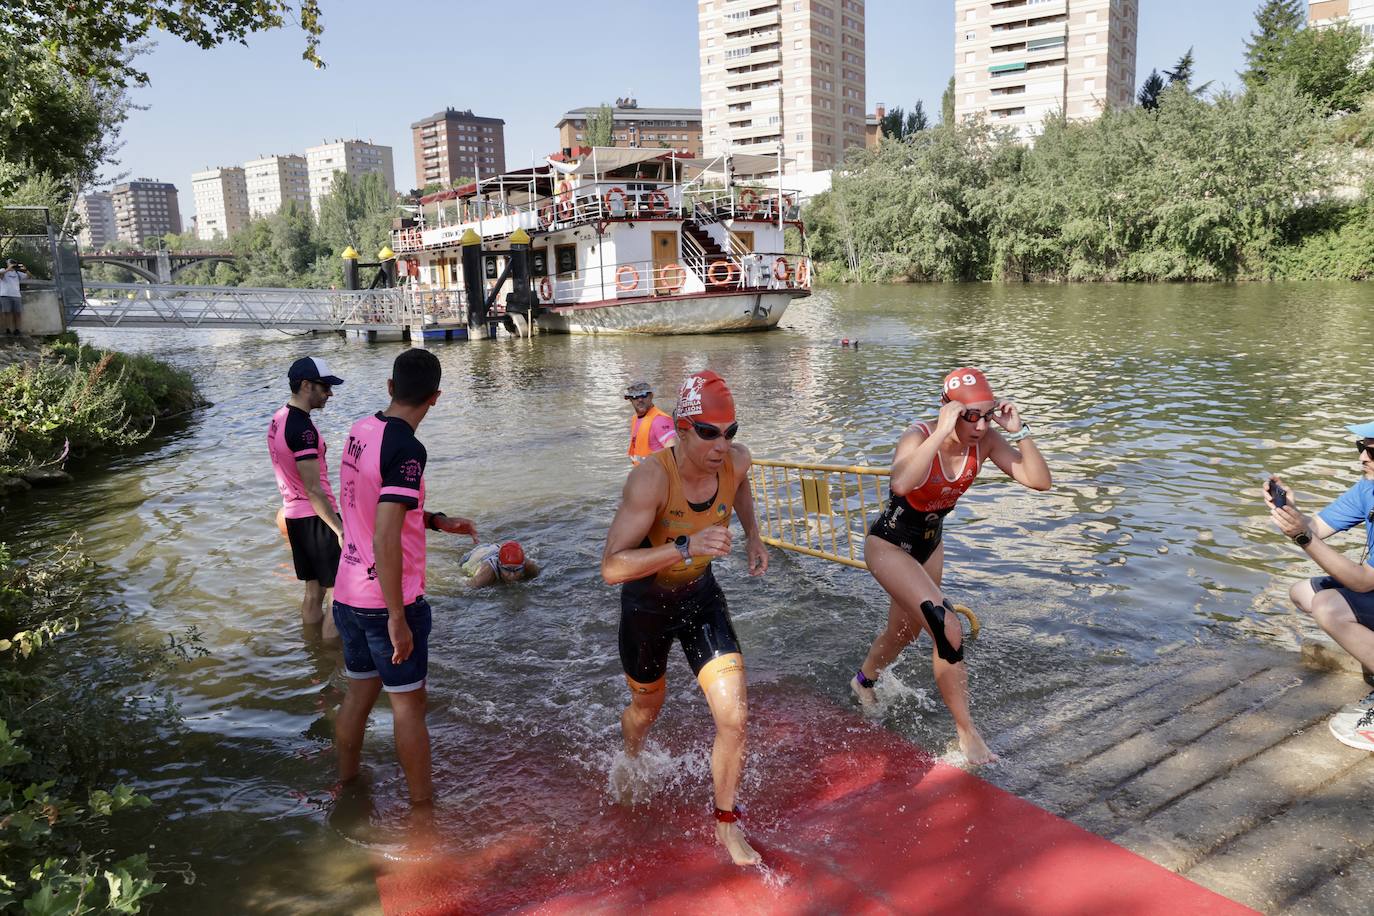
{"points": [[967, 385], [705, 398], [511, 554]]}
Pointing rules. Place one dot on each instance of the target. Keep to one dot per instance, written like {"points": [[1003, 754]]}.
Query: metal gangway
{"points": [[143, 305]]}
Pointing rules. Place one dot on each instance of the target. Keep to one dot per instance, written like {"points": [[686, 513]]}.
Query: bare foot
{"points": [[732, 838], [974, 748], [867, 696]]}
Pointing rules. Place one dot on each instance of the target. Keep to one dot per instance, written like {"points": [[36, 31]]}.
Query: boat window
{"points": [[565, 256], [490, 266], [539, 263]]}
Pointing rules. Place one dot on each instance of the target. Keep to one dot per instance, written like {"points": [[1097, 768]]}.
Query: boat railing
{"points": [[437, 306], [599, 283], [693, 256]]}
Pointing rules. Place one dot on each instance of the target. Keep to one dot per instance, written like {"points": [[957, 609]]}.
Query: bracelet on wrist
{"points": [[1022, 433], [431, 522]]}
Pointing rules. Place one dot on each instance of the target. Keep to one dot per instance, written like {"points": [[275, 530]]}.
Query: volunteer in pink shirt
{"points": [[297, 450], [380, 606]]}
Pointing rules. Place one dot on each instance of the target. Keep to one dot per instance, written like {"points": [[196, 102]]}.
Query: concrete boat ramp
{"points": [[1219, 766]]}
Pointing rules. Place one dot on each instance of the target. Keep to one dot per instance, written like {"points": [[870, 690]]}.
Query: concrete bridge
{"points": [[158, 266]]}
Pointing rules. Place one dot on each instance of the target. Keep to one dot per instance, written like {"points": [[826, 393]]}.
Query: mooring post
{"points": [[350, 268], [473, 286], [521, 298]]}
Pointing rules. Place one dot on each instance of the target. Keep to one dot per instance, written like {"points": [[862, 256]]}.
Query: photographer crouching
{"points": [[1342, 601]]}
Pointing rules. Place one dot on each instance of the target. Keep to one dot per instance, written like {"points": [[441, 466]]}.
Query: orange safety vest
{"points": [[678, 517], [640, 447]]}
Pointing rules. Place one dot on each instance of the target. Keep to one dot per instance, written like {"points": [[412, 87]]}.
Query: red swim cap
{"points": [[511, 554], [705, 398], [968, 385]]}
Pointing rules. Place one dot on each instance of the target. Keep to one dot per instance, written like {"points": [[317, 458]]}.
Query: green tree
{"points": [[947, 103], [1276, 24], [1182, 75], [899, 123], [1327, 65], [1150, 91], [601, 126]]}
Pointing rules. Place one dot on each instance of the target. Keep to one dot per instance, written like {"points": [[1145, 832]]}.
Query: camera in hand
{"points": [[1278, 494]]}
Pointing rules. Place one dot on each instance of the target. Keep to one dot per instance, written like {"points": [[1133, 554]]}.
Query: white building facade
{"points": [[1018, 61], [221, 197], [351, 157], [787, 72], [273, 181], [98, 220]]}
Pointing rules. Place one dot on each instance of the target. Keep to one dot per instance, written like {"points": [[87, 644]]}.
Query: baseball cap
{"points": [[968, 386], [1362, 430], [312, 369], [638, 389]]}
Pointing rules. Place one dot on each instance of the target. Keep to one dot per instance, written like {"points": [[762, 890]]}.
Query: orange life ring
{"points": [[565, 196], [620, 273], [546, 215], [677, 272], [785, 274], [658, 202], [803, 272], [749, 200], [606, 198], [546, 289], [730, 273]]}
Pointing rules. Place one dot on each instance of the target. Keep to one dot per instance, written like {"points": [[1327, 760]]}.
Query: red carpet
{"points": [[849, 818]]}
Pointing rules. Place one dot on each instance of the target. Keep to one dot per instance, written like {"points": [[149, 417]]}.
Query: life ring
{"points": [[658, 202], [749, 200], [546, 216], [803, 272], [782, 271], [621, 272], [714, 278], [606, 198], [677, 272], [565, 196], [545, 289]]}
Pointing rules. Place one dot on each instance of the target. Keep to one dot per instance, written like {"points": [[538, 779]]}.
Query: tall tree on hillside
{"points": [[1276, 24], [1327, 65], [947, 104], [1182, 75], [601, 126], [1150, 91], [900, 124]]}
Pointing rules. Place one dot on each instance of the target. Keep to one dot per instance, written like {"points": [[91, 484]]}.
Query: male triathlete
{"points": [[673, 519], [312, 519], [491, 564], [651, 429], [380, 605], [1342, 601]]}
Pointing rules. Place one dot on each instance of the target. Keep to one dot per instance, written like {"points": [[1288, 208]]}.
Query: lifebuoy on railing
{"points": [[803, 272], [658, 202], [606, 199], [672, 276], [719, 277], [565, 196], [621, 273], [546, 216], [782, 271], [545, 289], [749, 200]]}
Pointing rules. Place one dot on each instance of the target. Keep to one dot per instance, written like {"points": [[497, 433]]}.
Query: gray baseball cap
{"points": [[638, 389]]}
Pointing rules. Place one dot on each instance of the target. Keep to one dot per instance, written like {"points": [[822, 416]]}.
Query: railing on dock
{"points": [[820, 510], [114, 305]]}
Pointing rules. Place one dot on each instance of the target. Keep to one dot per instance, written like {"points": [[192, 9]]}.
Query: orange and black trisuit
{"points": [[682, 602], [641, 445], [915, 522]]}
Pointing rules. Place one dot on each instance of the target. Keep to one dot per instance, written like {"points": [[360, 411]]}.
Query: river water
{"points": [[1158, 408]]}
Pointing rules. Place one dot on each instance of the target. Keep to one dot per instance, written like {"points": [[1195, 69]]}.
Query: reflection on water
{"points": [[1157, 407]]}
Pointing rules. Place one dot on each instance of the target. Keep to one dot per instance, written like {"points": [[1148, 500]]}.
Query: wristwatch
{"points": [[680, 542], [1020, 434], [1303, 538]]}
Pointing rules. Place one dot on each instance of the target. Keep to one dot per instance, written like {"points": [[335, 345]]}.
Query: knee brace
{"points": [[935, 619]]}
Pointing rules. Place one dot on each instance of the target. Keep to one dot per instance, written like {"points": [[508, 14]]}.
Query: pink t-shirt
{"points": [[382, 462], [292, 437], [661, 433]]}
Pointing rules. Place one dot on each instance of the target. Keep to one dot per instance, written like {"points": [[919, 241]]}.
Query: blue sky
{"points": [[394, 63]]}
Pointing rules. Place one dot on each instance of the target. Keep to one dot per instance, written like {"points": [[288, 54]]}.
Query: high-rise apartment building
{"points": [[275, 180], [1017, 61], [96, 211], [1359, 13], [787, 72], [668, 128], [452, 146], [350, 157], [221, 197], [145, 209]]}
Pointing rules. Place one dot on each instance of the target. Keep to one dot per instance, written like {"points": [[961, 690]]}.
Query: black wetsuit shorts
{"points": [[651, 620], [916, 532], [314, 549]]}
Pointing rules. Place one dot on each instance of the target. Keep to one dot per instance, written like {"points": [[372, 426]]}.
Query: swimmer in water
{"points": [[490, 565], [673, 520], [904, 549]]}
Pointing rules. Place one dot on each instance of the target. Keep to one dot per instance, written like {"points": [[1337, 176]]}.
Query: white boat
{"points": [[622, 241]]}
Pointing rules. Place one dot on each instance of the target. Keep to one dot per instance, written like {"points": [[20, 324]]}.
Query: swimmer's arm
{"points": [[915, 453], [309, 469], [1022, 462], [531, 569], [386, 549], [624, 560], [482, 578], [744, 508]]}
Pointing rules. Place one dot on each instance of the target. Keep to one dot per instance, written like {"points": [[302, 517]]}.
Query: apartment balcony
{"points": [[1033, 10]]}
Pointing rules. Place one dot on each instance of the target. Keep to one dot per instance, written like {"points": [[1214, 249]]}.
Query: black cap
{"points": [[312, 369]]}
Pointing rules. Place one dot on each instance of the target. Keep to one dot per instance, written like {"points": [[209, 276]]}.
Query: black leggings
{"points": [[918, 533], [651, 621]]}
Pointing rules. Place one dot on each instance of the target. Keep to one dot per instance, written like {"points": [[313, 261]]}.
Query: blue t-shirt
{"points": [[1352, 507]]}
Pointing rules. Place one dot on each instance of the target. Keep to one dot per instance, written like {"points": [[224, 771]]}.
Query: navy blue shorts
{"points": [[367, 645], [1362, 603]]}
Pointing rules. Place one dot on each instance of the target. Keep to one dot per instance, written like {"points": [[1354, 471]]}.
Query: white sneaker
{"points": [[1354, 727]]}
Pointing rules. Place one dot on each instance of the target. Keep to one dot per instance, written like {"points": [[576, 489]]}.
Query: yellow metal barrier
{"points": [[821, 510]]}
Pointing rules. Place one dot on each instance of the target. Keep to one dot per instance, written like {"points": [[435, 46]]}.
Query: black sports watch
{"points": [[1303, 538], [681, 543]]}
